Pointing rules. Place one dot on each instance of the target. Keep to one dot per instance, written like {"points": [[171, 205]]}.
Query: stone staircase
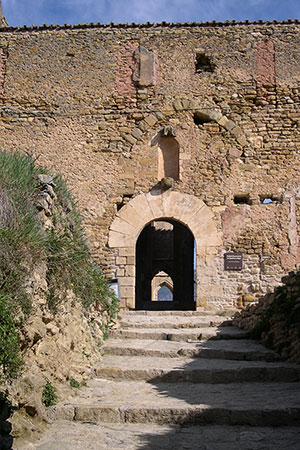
{"points": [[181, 380]]}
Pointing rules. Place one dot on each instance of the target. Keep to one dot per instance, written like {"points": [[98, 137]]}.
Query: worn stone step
{"points": [[194, 370], [171, 334], [174, 322], [255, 404], [65, 435], [201, 313], [241, 350]]}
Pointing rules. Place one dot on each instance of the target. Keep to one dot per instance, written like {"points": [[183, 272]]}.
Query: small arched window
{"points": [[162, 287]]}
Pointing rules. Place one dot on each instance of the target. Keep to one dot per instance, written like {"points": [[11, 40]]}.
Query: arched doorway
{"points": [[165, 256], [175, 207]]}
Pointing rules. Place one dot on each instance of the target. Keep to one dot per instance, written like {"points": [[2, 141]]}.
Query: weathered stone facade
{"points": [[214, 106]]}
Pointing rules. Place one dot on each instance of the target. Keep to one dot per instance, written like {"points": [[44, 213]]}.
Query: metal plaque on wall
{"points": [[233, 261]]}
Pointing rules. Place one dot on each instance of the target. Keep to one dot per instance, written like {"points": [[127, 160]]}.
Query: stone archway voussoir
{"points": [[122, 226], [132, 216], [155, 204], [144, 208], [178, 206], [214, 239], [117, 239]]}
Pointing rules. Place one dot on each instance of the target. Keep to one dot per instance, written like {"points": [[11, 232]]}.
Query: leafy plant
{"points": [[10, 359], [74, 383], [49, 397], [24, 243]]}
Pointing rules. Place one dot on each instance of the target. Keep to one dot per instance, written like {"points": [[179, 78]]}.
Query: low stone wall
{"points": [[275, 319], [6, 439]]}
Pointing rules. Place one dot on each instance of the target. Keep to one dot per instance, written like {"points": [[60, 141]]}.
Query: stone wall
{"points": [[90, 102], [275, 318]]}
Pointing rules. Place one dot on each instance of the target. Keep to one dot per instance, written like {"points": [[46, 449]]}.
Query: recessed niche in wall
{"points": [[168, 158], [200, 118], [267, 199], [242, 199], [203, 63]]}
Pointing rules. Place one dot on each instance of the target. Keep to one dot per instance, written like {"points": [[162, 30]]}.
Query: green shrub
{"points": [[49, 397], [24, 243], [74, 383], [10, 359]]}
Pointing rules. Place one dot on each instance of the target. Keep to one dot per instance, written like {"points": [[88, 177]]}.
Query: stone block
{"points": [[213, 240], [222, 121], [142, 209], [126, 291], [177, 105], [130, 260], [236, 131], [127, 281], [65, 412], [131, 215], [129, 302], [215, 115], [214, 290], [120, 272], [130, 271], [185, 103], [146, 75], [201, 302], [151, 120], [193, 104], [96, 414], [155, 204], [127, 251], [143, 125], [181, 206], [229, 125], [129, 138], [199, 220], [137, 133], [242, 140], [235, 152], [120, 260], [117, 239], [124, 227]]}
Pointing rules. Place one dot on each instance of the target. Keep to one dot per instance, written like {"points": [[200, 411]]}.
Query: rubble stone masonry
{"points": [[93, 102]]}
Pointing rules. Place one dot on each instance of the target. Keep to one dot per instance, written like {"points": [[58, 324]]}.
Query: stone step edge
{"points": [[207, 376], [234, 355], [183, 313], [178, 326], [194, 415], [177, 337]]}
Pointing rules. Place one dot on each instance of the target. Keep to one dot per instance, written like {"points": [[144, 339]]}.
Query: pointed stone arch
{"points": [[160, 280], [187, 209]]}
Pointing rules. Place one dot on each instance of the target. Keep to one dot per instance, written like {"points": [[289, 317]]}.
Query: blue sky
{"points": [[38, 12]]}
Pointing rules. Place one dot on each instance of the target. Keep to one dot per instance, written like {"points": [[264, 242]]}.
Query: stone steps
{"points": [[241, 350], [184, 334], [201, 313], [164, 370], [176, 370], [66, 435], [174, 322], [255, 404]]}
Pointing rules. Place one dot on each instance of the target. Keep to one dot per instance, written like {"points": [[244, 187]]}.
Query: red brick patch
{"points": [[265, 62], [127, 66]]}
